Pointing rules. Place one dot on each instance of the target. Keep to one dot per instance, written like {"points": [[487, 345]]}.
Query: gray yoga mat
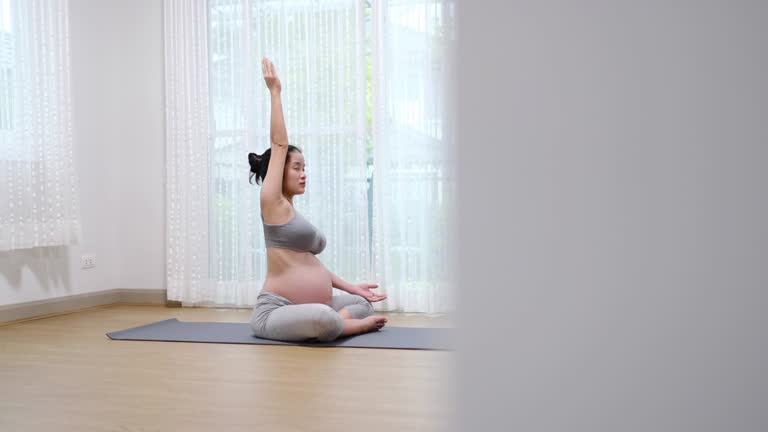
{"points": [[173, 330]]}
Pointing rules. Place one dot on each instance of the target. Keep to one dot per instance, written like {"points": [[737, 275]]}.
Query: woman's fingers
{"points": [[376, 297], [267, 68]]}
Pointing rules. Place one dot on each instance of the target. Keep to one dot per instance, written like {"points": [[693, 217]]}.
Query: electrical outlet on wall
{"points": [[88, 261]]}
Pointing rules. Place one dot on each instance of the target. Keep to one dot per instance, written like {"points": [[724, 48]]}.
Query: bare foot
{"points": [[374, 322], [365, 325]]}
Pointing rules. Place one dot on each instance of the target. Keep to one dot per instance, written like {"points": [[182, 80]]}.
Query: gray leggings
{"points": [[275, 317]]}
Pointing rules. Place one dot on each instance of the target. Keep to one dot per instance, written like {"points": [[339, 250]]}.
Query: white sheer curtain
{"points": [[39, 200], [413, 140], [187, 152], [216, 244]]}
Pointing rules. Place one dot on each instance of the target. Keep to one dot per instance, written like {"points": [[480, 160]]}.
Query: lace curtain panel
{"points": [[39, 201], [413, 137]]}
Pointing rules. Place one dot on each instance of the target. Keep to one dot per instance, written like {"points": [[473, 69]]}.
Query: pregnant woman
{"points": [[296, 302]]}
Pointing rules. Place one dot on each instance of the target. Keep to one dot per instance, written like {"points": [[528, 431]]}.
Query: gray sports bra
{"points": [[297, 234]]}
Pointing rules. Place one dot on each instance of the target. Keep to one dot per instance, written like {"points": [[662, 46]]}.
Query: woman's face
{"points": [[294, 177]]}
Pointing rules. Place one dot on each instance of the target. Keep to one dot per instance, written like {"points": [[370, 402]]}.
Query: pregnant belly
{"points": [[301, 284]]}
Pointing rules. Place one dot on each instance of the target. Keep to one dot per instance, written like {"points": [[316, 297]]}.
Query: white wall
{"points": [[614, 215], [119, 149]]}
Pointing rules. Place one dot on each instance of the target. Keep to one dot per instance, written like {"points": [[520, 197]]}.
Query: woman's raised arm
{"points": [[272, 188]]}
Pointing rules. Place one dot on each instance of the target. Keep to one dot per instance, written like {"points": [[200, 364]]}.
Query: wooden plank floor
{"points": [[63, 373]]}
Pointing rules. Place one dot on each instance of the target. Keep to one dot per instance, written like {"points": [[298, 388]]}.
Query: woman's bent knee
{"points": [[329, 324], [362, 308]]}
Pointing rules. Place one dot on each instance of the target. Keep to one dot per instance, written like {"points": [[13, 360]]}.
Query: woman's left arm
{"points": [[363, 289], [340, 283]]}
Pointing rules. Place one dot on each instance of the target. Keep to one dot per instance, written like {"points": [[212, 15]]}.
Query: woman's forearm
{"points": [[277, 133], [340, 283]]}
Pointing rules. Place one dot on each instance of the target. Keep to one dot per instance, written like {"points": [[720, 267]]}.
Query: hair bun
{"points": [[254, 160]]}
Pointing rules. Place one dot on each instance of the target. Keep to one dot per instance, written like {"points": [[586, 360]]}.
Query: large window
{"points": [[365, 97]]}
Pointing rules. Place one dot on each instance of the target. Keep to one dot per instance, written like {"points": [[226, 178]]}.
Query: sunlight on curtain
{"points": [[413, 141]]}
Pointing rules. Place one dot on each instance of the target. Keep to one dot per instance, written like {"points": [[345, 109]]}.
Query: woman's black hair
{"points": [[259, 164]]}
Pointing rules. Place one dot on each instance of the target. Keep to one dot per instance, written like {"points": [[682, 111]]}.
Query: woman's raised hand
{"points": [[270, 76]]}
